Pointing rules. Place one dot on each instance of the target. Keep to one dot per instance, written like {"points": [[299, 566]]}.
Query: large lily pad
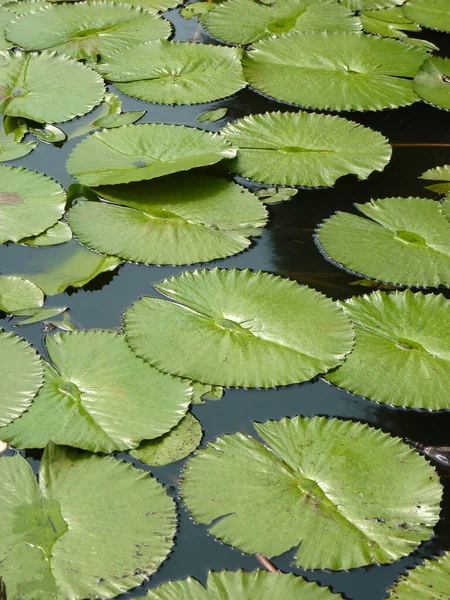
{"points": [[238, 585], [17, 293], [247, 21], [41, 87], [100, 397], [404, 241], [430, 13], [151, 5], [370, 4], [402, 350], [176, 72], [338, 71], [30, 203], [442, 174], [304, 149], [86, 30], [432, 81], [429, 581], [176, 220], [307, 484], [62, 538], [21, 374], [146, 151], [238, 328]]}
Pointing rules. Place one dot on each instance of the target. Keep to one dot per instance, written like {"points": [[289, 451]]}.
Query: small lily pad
{"points": [[402, 350], [304, 149], [37, 314], [60, 233], [204, 391], [62, 538], [428, 581], [175, 72], [17, 293], [275, 194], [181, 219], [432, 81], [211, 116], [405, 241], [309, 489], [442, 174], [175, 445], [145, 151], [15, 150], [48, 134], [429, 13], [238, 328], [30, 203]]}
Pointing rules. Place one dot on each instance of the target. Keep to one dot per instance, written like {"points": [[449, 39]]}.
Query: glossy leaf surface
{"points": [[432, 81], [17, 293], [429, 581], [430, 13]]}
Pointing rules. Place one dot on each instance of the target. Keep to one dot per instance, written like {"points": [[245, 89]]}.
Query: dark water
{"points": [[286, 247]]}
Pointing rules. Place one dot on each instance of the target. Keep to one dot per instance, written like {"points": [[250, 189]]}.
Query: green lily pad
{"points": [[72, 266], [211, 116], [428, 581], [150, 5], [238, 585], [181, 219], [100, 397], [60, 233], [14, 150], [405, 241], [86, 30], [370, 4], [175, 445], [429, 13], [30, 203], [308, 485], [304, 149], [145, 151], [37, 314], [238, 328], [432, 82], [13, 129], [41, 87], [402, 350], [275, 194], [247, 21], [203, 391], [23, 7], [21, 374], [339, 71], [5, 18], [17, 293], [48, 134], [196, 9], [175, 72], [62, 538], [442, 174]]}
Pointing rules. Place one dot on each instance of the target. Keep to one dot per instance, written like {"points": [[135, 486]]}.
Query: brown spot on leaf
{"points": [[10, 198]]}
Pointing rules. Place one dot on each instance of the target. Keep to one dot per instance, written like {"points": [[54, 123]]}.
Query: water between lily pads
{"points": [[286, 247]]}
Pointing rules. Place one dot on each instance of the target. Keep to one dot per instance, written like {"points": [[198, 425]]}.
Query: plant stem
{"points": [[266, 563]]}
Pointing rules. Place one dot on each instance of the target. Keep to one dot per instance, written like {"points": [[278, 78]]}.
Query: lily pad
{"points": [[5, 18], [370, 4], [338, 71], [23, 7], [13, 129], [100, 397], [175, 445], [275, 194], [402, 350], [48, 134], [41, 87], [238, 585], [429, 13], [38, 314], [308, 486], [59, 233], [145, 151], [21, 374], [17, 293], [247, 21], [62, 538], [73, 266], [442, 174], [405, 241], [151, 5], [175, 72], [181, 219], [86, 30], [14, 150], [30, 203], [211, 116], [432, 81], [304, 149], [203, 391], [428, 581], [238, 328]]}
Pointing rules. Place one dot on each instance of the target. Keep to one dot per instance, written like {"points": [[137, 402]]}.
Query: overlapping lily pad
{"points": [[86, 30], [99, 396], [21, 374], [338, 71], [442, 174], [59, 233], [30, 203], [429, 581], [247, 21], [238, 585], [238, 328], [404, 241], [430, 13], [174, 220], [402, 350], [17, 293], [146, 151], [309, 486], [432, 81], [304, 149], [176, 72], [15, 150], [41, 87], [62, 538]]}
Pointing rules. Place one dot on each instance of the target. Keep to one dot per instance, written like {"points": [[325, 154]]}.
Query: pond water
{"points": [[286, 247]]}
